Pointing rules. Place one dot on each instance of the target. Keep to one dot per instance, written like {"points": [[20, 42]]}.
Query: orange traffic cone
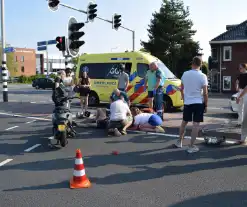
{"points": [[79, 179]]}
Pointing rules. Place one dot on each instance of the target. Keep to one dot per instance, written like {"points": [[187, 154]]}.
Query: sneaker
{"points": [[159, 129], [178, 144], [193, 149], [123, 132]]}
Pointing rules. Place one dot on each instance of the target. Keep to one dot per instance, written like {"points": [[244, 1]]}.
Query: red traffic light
{"points": [[59, 39]]}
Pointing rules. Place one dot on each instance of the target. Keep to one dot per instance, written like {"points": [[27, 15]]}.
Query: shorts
{"points": [[120, 124], [155, 120], [193, 112], [83, 94], [84, 91], [150, 94]]}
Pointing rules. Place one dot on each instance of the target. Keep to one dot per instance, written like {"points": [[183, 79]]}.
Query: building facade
{"points": [[228, 50], [55, 63], [25, 61]]}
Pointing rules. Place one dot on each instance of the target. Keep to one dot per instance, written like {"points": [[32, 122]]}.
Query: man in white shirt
{"points": [[120, 116], [195, 104]]}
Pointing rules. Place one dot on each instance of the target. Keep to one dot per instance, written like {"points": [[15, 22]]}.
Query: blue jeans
{"points": [[122, 89], [158, 100]]}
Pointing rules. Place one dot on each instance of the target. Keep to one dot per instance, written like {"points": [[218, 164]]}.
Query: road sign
{"points": [[42, 48], [41, 43], [51, 42], [9, 49]]}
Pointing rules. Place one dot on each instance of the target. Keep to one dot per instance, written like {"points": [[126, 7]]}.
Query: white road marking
{"points": [[5, 162], [33, 102], [22, 116], [29, 122], [31, 148], [219, 108], [177, 136], [11, 128]]}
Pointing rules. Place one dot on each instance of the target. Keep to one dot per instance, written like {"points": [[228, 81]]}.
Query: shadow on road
{"points": [[142, 160], [30, 138], [27, 109], [223, 115], [63, 184], [231, 198], [30, 92]]}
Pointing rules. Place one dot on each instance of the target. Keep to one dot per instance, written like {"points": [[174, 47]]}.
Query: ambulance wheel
{"points": [[93, 99], [167, 104]]}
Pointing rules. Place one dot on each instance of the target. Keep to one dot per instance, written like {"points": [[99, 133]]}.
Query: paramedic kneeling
{"points": [[120, 117]]}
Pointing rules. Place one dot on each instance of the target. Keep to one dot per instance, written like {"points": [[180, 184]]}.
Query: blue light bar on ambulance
{"points": [[120, 58]]}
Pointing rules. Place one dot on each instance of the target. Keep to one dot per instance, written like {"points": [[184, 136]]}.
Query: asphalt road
{"points": [[147, 172]]}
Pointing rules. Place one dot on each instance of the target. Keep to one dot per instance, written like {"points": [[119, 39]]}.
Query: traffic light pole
{"points": [[4, 58], [47, 59], [105, 20]]}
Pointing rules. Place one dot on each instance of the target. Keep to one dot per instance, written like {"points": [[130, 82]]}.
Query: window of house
{"points": [[227, 53], [16, 59], [22, 58], [214, 54], [22, 69]]}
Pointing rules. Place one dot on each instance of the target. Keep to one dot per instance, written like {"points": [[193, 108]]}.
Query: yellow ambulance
{"points": [[103, 70]]}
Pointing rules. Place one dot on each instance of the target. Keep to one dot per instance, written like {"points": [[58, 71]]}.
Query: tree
{"points": [[75, 62], [205, 68], [170, 36], [143, 50]]}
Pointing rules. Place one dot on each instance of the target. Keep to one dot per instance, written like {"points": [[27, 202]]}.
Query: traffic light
{"points": [[74, 35], [91, 11], [53, 5], [61, 43], [116, 21]]}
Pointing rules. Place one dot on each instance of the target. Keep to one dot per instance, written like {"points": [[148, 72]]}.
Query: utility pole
{"points": [[4, 58], [105, 20]]}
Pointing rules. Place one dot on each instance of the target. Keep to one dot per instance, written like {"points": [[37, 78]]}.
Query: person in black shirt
{"points": [[59, 79], [239, 88], [59, 92], [84, 90], [243, 97]]}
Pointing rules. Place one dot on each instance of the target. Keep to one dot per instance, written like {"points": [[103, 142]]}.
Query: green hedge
{"points": [[29, 79]]}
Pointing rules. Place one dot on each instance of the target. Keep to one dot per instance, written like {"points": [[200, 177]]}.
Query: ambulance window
{"points": [[102, 70], [128, 68], [142, 69]]}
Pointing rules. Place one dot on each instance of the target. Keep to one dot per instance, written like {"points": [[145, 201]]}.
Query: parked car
{"points": [[233, 104], [44, 83]]}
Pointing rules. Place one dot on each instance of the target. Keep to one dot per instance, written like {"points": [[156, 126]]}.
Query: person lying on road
{"points": [[146, 121]]}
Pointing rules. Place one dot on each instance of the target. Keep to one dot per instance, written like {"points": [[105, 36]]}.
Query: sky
{"points": [[30, 21]]}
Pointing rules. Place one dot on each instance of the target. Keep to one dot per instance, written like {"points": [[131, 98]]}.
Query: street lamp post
{"points": [[4, 58]]}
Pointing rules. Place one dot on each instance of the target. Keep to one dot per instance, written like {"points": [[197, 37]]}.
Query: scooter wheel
{"points": [[63, 139]]}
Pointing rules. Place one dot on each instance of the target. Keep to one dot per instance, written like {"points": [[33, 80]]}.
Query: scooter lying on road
{"points": [[63, 124]]}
